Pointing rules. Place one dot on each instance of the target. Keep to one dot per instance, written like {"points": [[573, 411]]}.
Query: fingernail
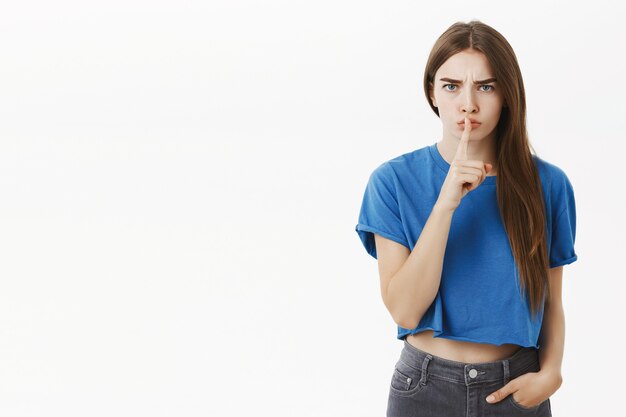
{"points": [[490, 398]]}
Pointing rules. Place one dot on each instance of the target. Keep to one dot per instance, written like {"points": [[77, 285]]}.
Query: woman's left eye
{"points": [[490, 86]]}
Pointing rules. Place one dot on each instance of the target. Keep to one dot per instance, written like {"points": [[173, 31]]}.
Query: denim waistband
{"points": [[526, 358]]}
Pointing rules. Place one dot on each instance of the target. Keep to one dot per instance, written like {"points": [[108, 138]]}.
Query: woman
{"points": [[471, 234]]}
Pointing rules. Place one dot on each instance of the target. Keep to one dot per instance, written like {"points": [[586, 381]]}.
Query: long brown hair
{"points": [[519, 190]]}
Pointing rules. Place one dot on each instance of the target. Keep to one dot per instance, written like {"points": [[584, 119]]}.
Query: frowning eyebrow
{"points": [[450, 80]]}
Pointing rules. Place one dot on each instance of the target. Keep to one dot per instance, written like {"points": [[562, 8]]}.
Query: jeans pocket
{"points": [[520, 406], [406, 380]]}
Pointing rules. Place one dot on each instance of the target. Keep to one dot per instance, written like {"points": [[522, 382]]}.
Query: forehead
{"points": [[466, 65]]}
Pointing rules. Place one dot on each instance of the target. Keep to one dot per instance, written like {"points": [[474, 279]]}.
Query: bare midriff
{"points": [[461, 351]]}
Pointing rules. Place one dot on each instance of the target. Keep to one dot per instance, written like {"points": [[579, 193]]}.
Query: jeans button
{"points": [[473, 373]]}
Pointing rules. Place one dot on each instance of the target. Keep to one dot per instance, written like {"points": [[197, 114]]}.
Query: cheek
{"points": [[496, 108], [497, 102], [492, 107], [444, 105]]}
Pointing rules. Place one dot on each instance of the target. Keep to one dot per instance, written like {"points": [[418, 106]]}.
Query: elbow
{"points": [[404, 319], [409, 320], [400, 319], [406, 324]]}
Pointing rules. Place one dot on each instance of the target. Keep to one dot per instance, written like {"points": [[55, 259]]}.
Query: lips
{"points": [[474, 125], [473, 121]]}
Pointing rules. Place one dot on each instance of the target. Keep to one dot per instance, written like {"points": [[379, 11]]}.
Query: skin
{"points": [[456, 101], [471, 152]]}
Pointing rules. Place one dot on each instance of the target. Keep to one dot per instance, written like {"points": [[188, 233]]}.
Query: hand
{"points": [[464, 175], [529, 390]]}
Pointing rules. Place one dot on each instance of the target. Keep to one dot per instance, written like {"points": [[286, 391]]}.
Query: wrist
{"points": [[443, 208], [553, 374]]}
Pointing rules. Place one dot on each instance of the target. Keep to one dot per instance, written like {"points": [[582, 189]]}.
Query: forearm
{"points": [[414, 286], [552, 340]]}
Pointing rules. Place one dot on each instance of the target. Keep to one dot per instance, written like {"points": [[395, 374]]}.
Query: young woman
{"points": [[471, 234]]}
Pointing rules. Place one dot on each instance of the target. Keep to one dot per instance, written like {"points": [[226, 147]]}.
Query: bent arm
{"points": [[410, 281]]}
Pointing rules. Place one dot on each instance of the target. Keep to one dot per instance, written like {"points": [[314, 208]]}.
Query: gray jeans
{"points": [[425, 385]]}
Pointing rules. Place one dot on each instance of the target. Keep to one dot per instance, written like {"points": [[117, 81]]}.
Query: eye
{"points": [[445, 85], [490, 86]]}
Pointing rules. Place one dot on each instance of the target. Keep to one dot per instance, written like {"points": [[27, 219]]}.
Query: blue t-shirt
{"points": [[479, 297]]}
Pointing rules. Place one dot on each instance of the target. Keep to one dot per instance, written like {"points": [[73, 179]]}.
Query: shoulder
{"points": [[557, 188], [553, 177], [401, 166]]}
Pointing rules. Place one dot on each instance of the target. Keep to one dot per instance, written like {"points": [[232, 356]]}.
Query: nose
{"points": [[469, 103]]}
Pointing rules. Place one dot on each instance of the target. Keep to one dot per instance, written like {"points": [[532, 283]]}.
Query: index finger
{"points": [[461, 150]]}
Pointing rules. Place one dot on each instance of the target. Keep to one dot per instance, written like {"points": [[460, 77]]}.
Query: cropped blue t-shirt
{"points": [[479, 297]]}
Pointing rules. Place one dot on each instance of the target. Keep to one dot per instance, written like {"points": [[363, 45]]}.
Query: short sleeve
{"points": [[562, 250], [380, 212]]}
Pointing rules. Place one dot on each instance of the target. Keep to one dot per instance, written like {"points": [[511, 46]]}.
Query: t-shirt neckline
{"points": [[445, 166]]}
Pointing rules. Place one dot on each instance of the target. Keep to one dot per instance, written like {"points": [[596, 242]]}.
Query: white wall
{"points": [[180, 183]]}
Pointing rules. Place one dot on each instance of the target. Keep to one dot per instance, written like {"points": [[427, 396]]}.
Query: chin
{"points": [[473, 136]]}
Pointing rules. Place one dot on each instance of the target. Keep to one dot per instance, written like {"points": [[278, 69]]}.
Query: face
{"points": [[465, 92]]}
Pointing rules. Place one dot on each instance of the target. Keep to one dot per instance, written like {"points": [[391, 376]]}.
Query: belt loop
{"points": [[505, 365], [424, 377]]}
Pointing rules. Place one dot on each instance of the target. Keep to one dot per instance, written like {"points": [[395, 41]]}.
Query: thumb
{"points": [[488, 167], [499, 395]]}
